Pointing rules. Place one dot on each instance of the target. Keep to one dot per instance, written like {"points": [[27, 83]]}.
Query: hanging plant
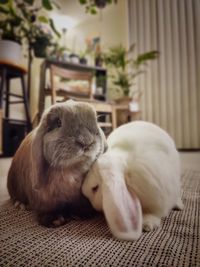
{"points": [[92, 6], [21, 21]]}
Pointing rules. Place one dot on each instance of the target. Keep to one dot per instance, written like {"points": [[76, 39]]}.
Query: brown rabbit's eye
{"points": [[53, 124], [58, 123]]}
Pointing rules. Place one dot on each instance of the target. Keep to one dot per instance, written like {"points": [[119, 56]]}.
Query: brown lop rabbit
{"points": [[47, 170]]}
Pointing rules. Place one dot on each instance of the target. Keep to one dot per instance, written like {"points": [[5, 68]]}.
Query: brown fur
{"points": [[48, 169]]}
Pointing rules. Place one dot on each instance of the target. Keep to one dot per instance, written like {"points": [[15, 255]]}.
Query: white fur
{"points": [[137, 181]]}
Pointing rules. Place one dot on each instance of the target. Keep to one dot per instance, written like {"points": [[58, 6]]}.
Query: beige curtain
{"points": [[171, 85]]}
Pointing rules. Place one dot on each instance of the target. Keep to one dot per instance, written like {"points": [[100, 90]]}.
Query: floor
{"points": [[189, 160]]}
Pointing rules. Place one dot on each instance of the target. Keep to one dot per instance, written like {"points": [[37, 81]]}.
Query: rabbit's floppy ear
{"points": [[121, 208], [38, 162], [105, 145]]}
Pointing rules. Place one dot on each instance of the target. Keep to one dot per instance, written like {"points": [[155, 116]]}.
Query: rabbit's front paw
{"points": [[150, 222], [58, 221], [51, 219], [179, 205], [20, 205]]}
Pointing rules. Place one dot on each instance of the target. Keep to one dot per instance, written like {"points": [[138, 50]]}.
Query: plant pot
{"points": [[123, 100], [40, 53], [100, 3], [134, 106], [10, 51], [73, 58], [83, 60], [40, 46], [39, 50]]}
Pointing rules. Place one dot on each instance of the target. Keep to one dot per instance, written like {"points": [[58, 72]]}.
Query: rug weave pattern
{"points": [[89, 243]]}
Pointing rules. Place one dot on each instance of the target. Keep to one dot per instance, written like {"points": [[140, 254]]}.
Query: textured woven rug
{"points": [[89, 243]]}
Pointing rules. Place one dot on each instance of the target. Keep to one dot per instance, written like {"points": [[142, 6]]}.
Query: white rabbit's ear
{"points": [[121, 208]]}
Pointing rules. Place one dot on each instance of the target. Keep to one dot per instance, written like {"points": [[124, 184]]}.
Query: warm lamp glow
{"points": [[63, 22]]}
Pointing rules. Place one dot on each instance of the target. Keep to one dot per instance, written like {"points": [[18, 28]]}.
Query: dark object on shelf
{"points": [[99, 61], [14, 131], [83, 60], [100, 3]]}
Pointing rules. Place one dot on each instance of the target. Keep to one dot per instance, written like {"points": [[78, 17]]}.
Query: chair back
{"points": [[70, 83]]}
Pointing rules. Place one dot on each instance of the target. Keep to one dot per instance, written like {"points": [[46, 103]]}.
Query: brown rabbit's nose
{"points": [[85, 145]]}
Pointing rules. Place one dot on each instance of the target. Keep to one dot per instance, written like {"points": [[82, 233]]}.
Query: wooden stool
{"points": [[8, 71]]}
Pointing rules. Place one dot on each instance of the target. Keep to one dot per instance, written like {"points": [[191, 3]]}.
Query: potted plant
{"points": [[84, 53], [40, 40], [124, 68], [91, 6], [22, 22], [10, 47], [83, 56], [59, 52]]}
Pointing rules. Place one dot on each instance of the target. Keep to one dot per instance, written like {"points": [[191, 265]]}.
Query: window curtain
{"points": [[171, 85]]}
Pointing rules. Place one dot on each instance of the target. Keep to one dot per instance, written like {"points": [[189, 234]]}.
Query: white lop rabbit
{"points": [[137, 181]]}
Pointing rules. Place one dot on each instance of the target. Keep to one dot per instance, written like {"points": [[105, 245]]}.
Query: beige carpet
{"points": [[89, 243]]}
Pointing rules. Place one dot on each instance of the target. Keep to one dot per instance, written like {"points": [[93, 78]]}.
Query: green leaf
{"points": [[47, 4], [55, 4], [109, 2], [53, 28], [93, 11], [3, 10], [12, 9], [142, 58], [43, 19], [83, 2]]}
